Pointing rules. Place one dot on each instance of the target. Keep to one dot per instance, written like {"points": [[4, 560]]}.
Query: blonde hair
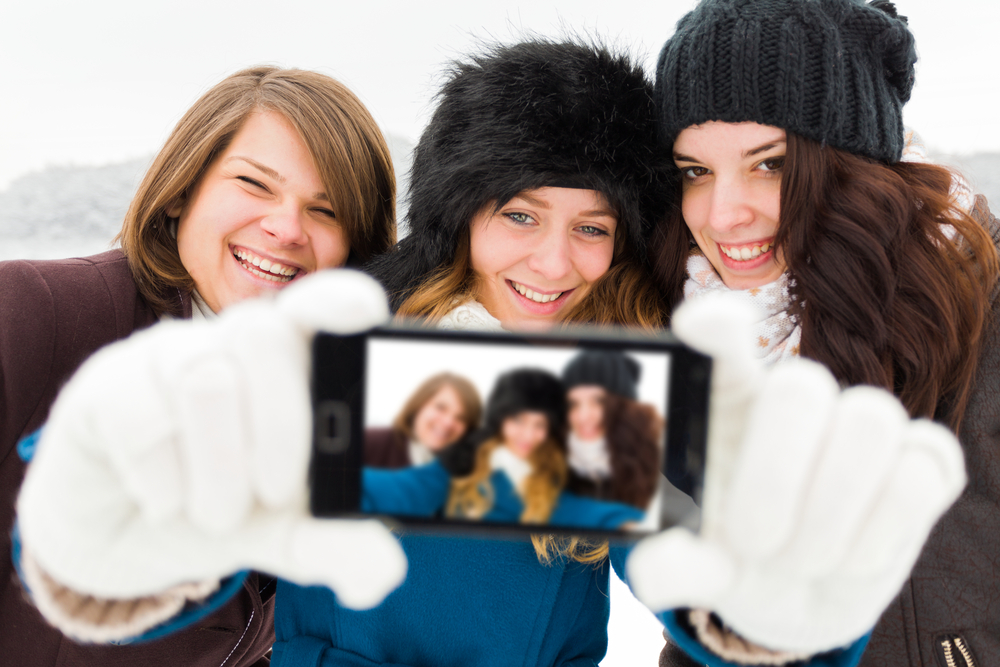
{"points": [[350, 153], [472, 497]]}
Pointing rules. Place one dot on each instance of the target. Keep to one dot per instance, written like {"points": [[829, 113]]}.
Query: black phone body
{"points": [[360, 382]]}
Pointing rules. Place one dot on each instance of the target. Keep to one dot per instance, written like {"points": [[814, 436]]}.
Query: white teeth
{"points": [[747, 252], [272, 271], [535, 296]]}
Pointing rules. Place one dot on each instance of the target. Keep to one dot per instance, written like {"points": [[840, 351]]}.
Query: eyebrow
{"points": [[534, 201], [264, 169], [747, 153]]}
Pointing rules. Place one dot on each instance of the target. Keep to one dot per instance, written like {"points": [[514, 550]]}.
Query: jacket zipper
{"points": [[955, 652]]}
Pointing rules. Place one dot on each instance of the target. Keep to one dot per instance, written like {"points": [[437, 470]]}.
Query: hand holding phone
{"points": [[181, 454], [817, 500]]}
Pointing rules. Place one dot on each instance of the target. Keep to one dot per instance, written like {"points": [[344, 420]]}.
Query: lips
{"points": [[265, 268]]}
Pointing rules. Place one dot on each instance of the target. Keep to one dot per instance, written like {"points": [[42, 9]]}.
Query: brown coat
{"points": [[954, 590], [386, 448], [53, 315]]}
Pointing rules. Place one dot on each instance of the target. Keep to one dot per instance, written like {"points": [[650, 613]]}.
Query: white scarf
{"points": [[420, 453], [778, 337], [589, 458], [516, 469], [470, 316]]}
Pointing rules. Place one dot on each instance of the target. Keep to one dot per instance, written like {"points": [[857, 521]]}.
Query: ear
{"points": [[176, 207]]}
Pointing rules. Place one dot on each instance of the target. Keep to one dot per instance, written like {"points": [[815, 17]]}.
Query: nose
{"points": [[731, 204], [551, 256], [286, 225]]}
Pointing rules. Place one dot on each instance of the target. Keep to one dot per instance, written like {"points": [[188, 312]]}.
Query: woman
{"points": [[440, 411], [533, 191], [519, 472], [795, 196], [273, 174], [614, 442]]}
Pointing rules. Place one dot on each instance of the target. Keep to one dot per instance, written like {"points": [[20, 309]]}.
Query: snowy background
{"points": [[91, 91]]}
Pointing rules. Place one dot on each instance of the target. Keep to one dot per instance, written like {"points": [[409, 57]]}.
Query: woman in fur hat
{"points": [[614, 441], [533, 193], [802, 193]]}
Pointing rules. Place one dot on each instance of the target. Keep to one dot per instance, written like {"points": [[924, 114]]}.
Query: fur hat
{"points": [[526, 116], [615, 371], [834, 71], [527, 389]]}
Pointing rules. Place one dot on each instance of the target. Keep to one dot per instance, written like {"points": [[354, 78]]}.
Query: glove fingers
{"points": [[273, 355], [677, 569], [213, 441], [783, 439], [360, 561], [927, 479], [862, 448], [721, 326], [339, 301]]}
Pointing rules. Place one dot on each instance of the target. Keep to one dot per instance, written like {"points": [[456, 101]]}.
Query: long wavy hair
{"points": [[634, 433], [891, 278], [626, 295]]}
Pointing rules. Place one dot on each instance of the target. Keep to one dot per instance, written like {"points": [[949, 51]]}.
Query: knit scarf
{"points": [[777, 335]]}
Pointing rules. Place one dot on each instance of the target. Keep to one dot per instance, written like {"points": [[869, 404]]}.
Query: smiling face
{"points": [[731, 197], [586, 411], [539, 255], [259, 216], [441, 420], [524, 432]]}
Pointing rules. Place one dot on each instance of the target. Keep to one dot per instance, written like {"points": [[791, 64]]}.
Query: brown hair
{"points": [[625, 295], [633, 432], [891, 280], [472, 406], [350, 153]]}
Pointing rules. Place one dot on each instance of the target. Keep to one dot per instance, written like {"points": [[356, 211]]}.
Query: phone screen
{"points": [[566, 435]]}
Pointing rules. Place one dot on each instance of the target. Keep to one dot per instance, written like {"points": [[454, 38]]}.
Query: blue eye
{"points": [[590, 230], [519, 218]]}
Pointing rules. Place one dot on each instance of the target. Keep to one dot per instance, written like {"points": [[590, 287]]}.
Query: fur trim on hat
{"points": [[526, 116], [527, 389]]}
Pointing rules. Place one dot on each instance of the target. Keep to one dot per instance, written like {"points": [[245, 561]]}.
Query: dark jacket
{"points": [[53, 315], [386, 448], [954, 589]]}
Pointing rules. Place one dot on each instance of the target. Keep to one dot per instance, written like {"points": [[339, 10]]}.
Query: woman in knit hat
{"points": [[614, 441], [533, 193], [802, 193]]}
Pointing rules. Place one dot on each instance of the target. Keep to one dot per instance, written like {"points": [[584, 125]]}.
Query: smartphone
{"points": [[568, 468]]}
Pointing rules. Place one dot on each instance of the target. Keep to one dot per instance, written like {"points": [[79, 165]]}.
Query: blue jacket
{"points": [[422, 491]]}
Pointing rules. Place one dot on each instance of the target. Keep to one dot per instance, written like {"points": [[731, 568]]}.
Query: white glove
{"points": [[817, 501], [181, 455]]}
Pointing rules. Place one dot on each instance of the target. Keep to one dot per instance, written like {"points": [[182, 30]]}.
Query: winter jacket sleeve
{"points": [[690, 633], [416, 491]]}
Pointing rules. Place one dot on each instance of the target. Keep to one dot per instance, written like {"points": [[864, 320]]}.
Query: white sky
{"points": [[94, 82]]}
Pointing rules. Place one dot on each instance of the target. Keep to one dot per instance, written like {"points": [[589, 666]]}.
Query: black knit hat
{"points": [[615, 371], [525, 116], [834, 71], [527, 389]]}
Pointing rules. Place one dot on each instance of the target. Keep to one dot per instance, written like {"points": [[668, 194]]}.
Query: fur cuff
{"points": [[726, 644], [91, 619]]}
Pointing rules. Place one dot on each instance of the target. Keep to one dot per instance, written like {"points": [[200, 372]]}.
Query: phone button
{"points": [[333, 427]]}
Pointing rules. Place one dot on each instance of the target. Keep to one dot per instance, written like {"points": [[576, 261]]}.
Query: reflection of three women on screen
{"points": [[576, 451]]}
